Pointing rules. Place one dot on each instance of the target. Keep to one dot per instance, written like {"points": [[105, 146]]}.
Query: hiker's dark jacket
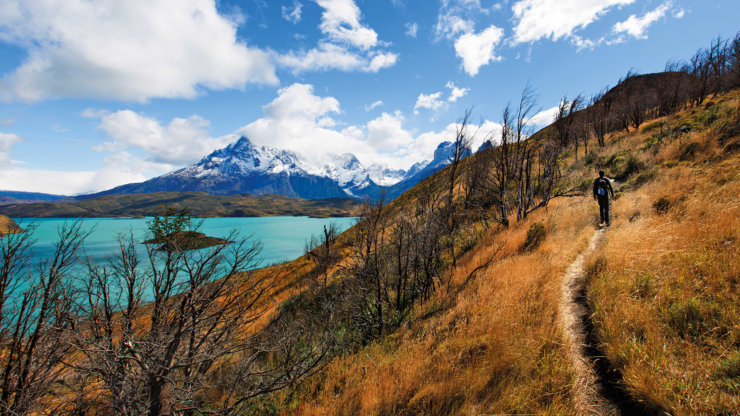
{"points": [[602, 188]]}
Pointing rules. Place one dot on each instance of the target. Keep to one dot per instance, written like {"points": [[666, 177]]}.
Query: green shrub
{"points": [[688, 150], [535, 236], [691, 318], [728, 373], [627, 167], [644, 177], [652, 126]]}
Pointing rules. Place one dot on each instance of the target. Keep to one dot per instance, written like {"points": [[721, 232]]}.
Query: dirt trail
{"points": [[597, 389], [573, 320]]}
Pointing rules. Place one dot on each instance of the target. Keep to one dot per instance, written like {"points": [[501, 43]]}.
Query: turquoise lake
{"points": [[283, 238]]}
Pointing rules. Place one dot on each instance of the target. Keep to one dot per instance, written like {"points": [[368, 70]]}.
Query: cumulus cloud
{"points": [[456, 22], [455, 92], [292, 121], [341, 22], [126, 50], [293, 14], [557, 19], [7, 140], [412, 29], [428, 101], [182, 141], [636, 26], [386, 132], [118, 168], [544, 117], [477, 50], [346, 45]]}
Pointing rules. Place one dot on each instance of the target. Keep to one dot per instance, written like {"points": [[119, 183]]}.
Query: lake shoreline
{"points": [[283, 238]]}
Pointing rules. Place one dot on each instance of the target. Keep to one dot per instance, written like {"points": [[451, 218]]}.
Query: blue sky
{"points": [[94, 94]]}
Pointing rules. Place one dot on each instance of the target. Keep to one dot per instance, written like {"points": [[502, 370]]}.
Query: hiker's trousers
{"points": [[604, 209]]}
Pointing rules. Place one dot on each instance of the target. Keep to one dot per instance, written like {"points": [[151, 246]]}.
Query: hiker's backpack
{"points": [[601, 187]]}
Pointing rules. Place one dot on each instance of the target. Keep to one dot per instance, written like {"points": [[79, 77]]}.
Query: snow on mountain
{"points": [[245, 167], [243, 157]]}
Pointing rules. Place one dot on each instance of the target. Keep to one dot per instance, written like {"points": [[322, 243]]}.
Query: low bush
{"points": [[535, 236]]}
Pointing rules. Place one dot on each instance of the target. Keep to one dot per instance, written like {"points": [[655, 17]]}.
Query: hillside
{"points": [[198, 204], [661, 285], [15, 197]]}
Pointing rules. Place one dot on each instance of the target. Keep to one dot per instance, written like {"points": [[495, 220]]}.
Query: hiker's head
{"points": [[601, 174]]}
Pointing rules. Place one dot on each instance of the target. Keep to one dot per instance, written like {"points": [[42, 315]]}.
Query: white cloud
{"points": [[182, 141], [293, 14], [557, 19], [126, 49], [52, 182], [455, 92], [636, 26], [382, 60], [328, 56], [341, 22], [292, 122], [347, 44], [544, 117], [449, 25], [7, 140], [429, 101], [386, 132], [477, 50], [372, 106], [412, 29], [118, 168], [457, 17]]}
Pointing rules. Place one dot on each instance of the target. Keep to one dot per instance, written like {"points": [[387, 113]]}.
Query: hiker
{"points": [[602, 190]]}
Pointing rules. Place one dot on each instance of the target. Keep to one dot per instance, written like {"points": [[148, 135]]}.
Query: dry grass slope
{"points": [[663, 285]]}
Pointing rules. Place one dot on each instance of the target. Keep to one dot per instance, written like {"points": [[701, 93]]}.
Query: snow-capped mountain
{"points": [[243, 167]]}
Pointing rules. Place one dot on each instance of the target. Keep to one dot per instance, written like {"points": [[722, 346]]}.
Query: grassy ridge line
{"points": [[199, 204]]}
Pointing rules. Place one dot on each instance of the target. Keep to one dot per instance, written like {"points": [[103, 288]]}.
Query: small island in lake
{"points": [[186, 240]]}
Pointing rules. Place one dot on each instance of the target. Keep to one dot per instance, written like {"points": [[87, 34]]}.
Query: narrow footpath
{"points": [[574, 316], [597, 390]]}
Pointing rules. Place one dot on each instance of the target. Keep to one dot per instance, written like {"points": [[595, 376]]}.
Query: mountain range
{"points": [[243, 167]]}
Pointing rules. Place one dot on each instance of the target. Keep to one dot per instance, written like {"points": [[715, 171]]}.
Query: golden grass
{"points": [[665, 287], [494, 347]]}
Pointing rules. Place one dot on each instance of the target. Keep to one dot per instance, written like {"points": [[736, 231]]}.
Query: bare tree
{"points": [[460, 150], [36, 317], [323, 252], [155, 332], [522, 152]]}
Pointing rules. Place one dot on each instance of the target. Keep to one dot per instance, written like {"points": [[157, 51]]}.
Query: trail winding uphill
{"points": [[597, 389], [574, 320]]}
